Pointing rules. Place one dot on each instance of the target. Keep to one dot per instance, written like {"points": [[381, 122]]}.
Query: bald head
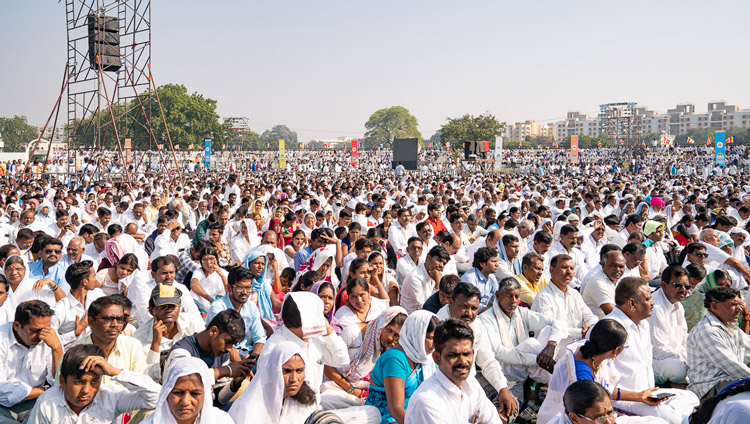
{"points": [[709, 236], [493, 237]]}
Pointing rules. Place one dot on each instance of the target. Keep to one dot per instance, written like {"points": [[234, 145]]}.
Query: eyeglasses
{"points": [[246, 289], [701, 255], [50, 251], [109, 319], [604, 419]]}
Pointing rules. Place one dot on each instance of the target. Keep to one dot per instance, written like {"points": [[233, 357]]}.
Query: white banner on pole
{"points": [[498, 152]]}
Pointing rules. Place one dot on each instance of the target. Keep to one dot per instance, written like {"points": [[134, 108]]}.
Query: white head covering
{"points": [[412, 338], [180, 368], [263, 399], [311, 313]]}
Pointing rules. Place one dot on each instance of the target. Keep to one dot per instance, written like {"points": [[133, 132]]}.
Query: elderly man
{"points": [[717, 350], [563, 304], [599, 291], [509, 327], [669, 328], [464, 305], [74, 252], [635, 363], [531, 277]]}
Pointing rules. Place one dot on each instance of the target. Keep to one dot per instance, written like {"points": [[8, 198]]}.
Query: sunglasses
{"points": [[701, 255], [50, 251], [108, 319], [681, 286]]}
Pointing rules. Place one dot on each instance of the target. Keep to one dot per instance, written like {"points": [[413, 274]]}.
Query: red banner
{"points": [[354, 152]]}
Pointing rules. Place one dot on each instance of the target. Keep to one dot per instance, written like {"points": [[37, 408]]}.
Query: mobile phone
{"points": [[252, 357], [660, 396]]}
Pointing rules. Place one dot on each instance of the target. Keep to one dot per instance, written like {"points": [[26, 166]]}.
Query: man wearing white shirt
{"points": [[599, 291], [409, 262], [451, 395], [490, 240], [29, 353], [82, 397], [423, 282], [668, 327], [400, 232], [563, 304], [635, 363], [632, 224], [163, 271], [464, 305], [135, 216], [166, 242], [567, 245], [70, 317]]}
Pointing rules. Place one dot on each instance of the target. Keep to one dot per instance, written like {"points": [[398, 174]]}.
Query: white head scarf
{"points": [[180, 368], [311, 313], [412, 338], [263, 399]]}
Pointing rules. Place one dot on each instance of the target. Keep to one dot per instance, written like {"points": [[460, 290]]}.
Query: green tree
{"points": [[387, 124], [471, 128], [271, 137], [17, 133], [191, 118]]}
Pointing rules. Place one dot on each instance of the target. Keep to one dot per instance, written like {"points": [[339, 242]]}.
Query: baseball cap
{"points": [[163, 294]]}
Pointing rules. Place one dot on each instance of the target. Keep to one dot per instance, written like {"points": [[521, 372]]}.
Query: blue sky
{"points": [[322, 67]]}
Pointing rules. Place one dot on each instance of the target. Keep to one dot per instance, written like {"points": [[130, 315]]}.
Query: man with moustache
{"points": [[451, 395], [464, 305], [717, 349], [635, 363], [562, 303], [668, 327], [599, 291]]}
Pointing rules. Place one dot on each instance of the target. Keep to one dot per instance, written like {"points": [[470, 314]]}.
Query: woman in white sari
{"points": [[593, 359], [185, 396], [278, 394], [244, 241]]}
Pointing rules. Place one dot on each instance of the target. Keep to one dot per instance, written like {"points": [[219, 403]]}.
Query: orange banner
{"points": [[573, 149]]}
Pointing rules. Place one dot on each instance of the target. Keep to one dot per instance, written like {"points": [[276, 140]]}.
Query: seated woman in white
{"points": [[185, 396], [278, 394]]}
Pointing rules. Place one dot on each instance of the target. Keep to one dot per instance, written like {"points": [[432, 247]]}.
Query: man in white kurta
{"points": [[564, 304], [635, 363], [669, 328]]}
